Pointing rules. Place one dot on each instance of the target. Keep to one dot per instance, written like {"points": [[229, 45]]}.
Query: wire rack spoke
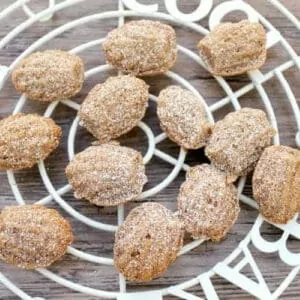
{"points": [[170, 159], [71, 104], [190, 246], [232, 274], [30, 13], [249, 201], [63, 190], [161, 137], [10, 9], [168, 179], [90, 257]]}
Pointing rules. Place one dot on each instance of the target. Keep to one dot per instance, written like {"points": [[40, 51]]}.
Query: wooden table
{"points": [[101, 243]]}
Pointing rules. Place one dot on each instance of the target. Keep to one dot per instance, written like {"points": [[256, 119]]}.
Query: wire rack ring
{"points": [[258, 287]]}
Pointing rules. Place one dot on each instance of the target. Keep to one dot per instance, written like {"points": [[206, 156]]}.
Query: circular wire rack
{"points": [[131, 8]]}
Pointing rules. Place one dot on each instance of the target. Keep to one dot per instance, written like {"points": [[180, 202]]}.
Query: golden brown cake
{"points": [[26, 139], [234, 48], [141, 48], [238, 141], [33, 236], [114, 107], [276, 183], [147, 242], [49, 75], [107, 174], [183, 117], [207, 203]]}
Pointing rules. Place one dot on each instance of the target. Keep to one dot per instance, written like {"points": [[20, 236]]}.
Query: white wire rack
{"points": [[129, 8]]}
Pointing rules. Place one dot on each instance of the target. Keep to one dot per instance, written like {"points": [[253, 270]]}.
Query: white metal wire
{"points": [[232, 274], [30, 13]]}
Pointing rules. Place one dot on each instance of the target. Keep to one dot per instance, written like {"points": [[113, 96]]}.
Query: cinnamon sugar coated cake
{"points": [[234, 48], [49, 75], [114, 107], [182, 116], [147, 242], [276, 183], [32, 236], [238, 141], [26, 139], [141, 48], [207, 203], [107, 174]]}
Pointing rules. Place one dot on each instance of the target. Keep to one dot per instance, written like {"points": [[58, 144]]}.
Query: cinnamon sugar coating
{"points": [[142, 48], [26, 139], [147, 242], [234, 48], [49, 75], [276, 183], [207, 203], [182, 116], [33, 236], [114, 107], [238, 141], [107, 174]]}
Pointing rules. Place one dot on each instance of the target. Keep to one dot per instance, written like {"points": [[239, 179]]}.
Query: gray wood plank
{"points": [[101, 243]]}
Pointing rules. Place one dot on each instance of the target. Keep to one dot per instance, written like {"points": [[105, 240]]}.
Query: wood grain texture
{"points": [[101, 243]]}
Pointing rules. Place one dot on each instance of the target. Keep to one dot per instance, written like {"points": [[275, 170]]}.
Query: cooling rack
{"points": [[257, 286]]}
